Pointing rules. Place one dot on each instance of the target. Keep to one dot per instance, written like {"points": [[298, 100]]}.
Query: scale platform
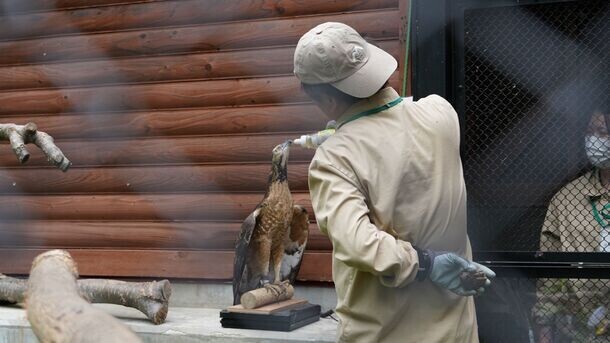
{"points": [[284, 316]]}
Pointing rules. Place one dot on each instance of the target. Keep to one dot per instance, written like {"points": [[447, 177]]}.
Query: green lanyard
{"points": [[372, 111], [605, 214]]}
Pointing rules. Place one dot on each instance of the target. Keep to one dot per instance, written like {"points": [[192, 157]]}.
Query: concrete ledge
{"points": [[220, 295], [183, 325]]}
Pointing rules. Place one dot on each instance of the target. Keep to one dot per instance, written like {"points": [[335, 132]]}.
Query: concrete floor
{"points": [[183, 325]]}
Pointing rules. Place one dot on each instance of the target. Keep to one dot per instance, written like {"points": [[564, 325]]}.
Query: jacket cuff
{"points": [[408, 268]]}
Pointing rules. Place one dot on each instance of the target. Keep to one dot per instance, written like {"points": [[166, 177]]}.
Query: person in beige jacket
{"points": [[388, 190]]}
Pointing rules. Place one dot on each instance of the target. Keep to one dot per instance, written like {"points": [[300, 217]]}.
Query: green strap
{"points": [[605, 214], [372, 111]]}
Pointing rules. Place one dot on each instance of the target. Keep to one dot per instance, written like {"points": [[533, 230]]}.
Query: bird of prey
{"points": [[266, 238], [294, 245]]}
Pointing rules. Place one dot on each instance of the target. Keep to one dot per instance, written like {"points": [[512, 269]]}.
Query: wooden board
{"points": [[189, 264], [245, 34], [271, 90], [11, 7], [149, 179], [165, 13], [132, 234], [179, 122], [210, 65], [238, 92], [268, 309], [164, 151], [169, 114], [165, 207]]}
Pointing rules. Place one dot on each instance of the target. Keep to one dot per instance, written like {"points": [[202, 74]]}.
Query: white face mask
{"points": [[598, 151]]}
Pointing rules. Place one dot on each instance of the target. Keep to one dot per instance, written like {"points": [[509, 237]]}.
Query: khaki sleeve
{"points": [[342, 214], [551, 293], [550, 236]]}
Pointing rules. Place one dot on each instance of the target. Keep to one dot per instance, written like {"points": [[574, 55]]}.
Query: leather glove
{"points": [[444, 269]]}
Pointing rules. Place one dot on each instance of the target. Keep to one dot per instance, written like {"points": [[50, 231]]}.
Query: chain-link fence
{"points": [[537, 156], [549, 310]]}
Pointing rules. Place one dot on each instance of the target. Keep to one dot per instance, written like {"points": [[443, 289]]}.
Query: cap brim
{"points": [[371, 77]]}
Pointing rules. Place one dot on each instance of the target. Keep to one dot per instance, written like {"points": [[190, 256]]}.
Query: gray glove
{"points": [[444, 269]]}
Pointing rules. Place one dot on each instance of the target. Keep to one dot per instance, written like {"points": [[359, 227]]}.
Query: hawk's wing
{"points": [[241, 254], [295, 244]]}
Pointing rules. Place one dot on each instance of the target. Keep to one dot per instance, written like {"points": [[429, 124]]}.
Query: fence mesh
{"points": [[537, 156]]}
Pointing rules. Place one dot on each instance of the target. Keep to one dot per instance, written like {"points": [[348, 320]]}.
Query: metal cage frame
{"points": [[438, 65]]}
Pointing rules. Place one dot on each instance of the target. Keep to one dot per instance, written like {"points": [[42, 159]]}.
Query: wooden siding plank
{"points": [[13, 7], [170, 13], [176, 150], [155, 96], [216, 93], [165, 207], [137, 179], [247, 34], [213, 265], [132, 234], [203, 121], [224, 64]]}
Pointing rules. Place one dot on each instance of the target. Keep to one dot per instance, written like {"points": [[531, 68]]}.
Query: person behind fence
{"points": [[388, 190], [578, 220]]}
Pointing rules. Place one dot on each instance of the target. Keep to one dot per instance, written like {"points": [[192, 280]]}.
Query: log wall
{"points": [[169, 111]]}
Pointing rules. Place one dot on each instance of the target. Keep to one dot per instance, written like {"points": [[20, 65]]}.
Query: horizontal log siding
{"points": [[169, 111]]}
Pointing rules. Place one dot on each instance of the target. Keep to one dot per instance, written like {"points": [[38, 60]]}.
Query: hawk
{"points": [[272, 239]]}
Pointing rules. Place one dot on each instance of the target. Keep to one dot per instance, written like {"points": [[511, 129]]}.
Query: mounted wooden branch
{"points": [[151, 298], [269, 294], [58, 313], [20, 135]]}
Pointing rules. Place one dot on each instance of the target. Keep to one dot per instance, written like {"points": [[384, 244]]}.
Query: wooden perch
{"points": [[20, 135], [266, 295], [58, 313], [151, 298]]}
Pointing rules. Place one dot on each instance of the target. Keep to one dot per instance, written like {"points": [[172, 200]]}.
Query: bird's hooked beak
{"points": [[285, 151]]}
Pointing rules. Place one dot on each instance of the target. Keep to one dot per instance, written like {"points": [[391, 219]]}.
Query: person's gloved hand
{"points": [[444, 269]]}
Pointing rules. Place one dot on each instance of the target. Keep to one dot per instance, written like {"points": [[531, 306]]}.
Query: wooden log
{"points": [[189, 264], [240, 92], [169, 13], [58, 313], [177, 150], [285, 89], [211, 65], [150, 298], [267, 295], [144, 179], [201, 121], [185, 235], [169, 207], [381, 24], [18, 6], [12, 290]]}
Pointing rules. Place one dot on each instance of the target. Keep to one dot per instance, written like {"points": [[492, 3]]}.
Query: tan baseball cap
{"points": [[336, 54]]}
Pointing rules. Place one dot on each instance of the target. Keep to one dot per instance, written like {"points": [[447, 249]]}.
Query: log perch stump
{"points": [[267, 295], [150, 298], [58, 313]]}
